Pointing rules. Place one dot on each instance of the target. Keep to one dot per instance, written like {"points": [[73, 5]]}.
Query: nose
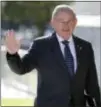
{"points": [[65, 23]]}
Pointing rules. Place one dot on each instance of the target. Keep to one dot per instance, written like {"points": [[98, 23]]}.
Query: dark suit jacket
{"points": [[55, 89]]}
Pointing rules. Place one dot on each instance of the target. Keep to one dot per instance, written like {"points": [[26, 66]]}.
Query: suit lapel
{"points": [[78, 49]]}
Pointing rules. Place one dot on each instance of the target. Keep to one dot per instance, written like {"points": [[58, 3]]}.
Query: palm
{"points": [[12, 44]]}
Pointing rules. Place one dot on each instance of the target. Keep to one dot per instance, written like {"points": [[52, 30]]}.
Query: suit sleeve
{"points": [[25, 64], [92, 86]]}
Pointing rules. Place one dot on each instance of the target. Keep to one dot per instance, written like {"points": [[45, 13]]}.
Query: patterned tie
{"points": [[68, 58]]}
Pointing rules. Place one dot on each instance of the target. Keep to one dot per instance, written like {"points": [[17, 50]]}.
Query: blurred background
{"points": [[29, 20]]}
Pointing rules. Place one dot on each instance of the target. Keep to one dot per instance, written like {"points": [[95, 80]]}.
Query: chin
{"points": [[66, 35]]}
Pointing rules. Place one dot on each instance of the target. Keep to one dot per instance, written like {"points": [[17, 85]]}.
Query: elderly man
{"points": [[65, 63]]}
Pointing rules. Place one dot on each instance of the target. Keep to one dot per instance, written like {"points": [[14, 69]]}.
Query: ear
{"points": [[75, 21]]}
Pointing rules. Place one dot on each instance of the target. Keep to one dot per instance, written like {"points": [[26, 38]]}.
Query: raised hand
{"points": [[11, 43]]}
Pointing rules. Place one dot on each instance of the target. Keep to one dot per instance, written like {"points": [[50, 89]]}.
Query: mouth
{"points": [[65, 30]]}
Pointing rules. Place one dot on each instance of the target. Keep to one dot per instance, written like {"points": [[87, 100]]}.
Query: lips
{"points": [[65, 30]]}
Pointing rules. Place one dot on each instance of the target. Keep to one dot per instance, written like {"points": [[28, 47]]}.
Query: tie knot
{"points": [[65, 42]]}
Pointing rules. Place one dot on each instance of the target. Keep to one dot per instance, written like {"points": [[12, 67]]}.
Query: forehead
{"points": [[64, 15]]}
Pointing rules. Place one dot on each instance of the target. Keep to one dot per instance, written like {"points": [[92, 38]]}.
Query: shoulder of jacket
{"points": [[42, 39], [82, 41]]}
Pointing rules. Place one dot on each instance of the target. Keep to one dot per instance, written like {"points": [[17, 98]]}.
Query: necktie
{"points": [[68, 58]]}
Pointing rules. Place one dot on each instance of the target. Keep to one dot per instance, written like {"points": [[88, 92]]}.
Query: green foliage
{"points": [[14, 11], [39, 12]]}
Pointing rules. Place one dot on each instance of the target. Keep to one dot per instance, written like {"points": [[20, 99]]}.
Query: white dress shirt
{"points": [[71, 46]]}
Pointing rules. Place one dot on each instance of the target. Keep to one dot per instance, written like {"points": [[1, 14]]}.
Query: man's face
{"points": [[64, 24]]}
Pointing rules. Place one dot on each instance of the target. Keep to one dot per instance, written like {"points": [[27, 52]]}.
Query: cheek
{"points": [[58, 27], [71, 27]]}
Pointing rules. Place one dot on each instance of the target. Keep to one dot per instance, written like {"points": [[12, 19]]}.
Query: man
{"points": [[65, 63]]}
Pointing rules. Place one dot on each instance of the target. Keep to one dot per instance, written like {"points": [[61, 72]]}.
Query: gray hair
{"points": [[63, 8]]}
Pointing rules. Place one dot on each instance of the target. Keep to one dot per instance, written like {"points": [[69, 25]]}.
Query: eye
{"points": [[63, 22]]}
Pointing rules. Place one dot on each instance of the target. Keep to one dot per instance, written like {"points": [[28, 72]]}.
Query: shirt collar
{"points": [[60, 39]]}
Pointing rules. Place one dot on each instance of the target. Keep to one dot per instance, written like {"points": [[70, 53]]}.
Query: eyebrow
{"points": [[64, 20]]}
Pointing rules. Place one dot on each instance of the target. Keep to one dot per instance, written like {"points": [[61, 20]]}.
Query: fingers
{"points": [[19, 42], [10, 39], [10, 32], [11, 35]]}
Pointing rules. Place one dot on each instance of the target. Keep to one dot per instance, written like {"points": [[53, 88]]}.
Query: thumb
{"points": [[19, 42]]}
